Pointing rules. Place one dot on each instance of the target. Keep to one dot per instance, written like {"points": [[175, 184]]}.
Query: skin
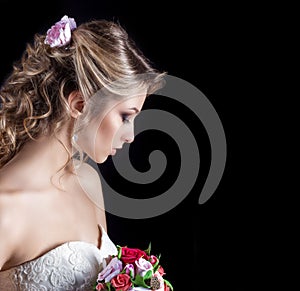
{"points": [[111, 130], [36, 216]]}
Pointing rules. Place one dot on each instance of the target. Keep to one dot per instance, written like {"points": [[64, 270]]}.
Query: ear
{"points": [[76, 103]]}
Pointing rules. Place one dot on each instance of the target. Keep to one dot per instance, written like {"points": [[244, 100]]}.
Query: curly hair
{"points": [[33, 98]]}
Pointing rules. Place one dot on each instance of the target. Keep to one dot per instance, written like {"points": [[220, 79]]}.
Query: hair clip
{"points": [[60, 33]]}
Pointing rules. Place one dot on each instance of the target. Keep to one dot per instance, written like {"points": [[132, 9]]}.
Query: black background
{"points": [[224, 243]]}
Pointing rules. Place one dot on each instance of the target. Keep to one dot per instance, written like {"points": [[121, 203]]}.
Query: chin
{"points": [[101, 160]]}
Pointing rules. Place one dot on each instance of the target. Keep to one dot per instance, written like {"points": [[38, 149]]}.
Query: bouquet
{"points": [[133, 270]]}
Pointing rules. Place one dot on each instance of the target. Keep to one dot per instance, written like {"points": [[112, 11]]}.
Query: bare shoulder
{"points": [[10, 228]]}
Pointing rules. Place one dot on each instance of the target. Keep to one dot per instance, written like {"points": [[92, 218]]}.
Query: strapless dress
{"points": [[70, 266]]}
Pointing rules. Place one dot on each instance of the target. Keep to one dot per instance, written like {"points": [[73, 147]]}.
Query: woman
{"points": [[75, 91]]}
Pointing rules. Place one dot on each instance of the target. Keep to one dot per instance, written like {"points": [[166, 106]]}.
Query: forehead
{"points": [[130, 102]]}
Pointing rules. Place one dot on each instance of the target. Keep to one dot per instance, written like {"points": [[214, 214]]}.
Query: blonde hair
{"points": [[34, 96]]}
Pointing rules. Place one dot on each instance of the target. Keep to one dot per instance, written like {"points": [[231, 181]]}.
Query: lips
{"points": [[114, 150]]}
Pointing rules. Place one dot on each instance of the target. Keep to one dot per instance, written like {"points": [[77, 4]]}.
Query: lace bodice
{"points": [[71, 266]]}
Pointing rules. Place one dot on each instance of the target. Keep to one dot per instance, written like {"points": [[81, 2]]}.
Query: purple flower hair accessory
{"points": [[60, 33]]}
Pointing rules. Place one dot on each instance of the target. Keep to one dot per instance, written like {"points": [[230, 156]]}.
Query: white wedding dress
{"points": [[71, 266]]}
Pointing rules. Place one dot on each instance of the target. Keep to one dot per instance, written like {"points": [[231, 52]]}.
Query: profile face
{"points": [[107, 134]]}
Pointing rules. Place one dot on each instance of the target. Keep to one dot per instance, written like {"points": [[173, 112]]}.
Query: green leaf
{"points": [[148, 250], [156, 266], [119, 251], [148, 274], [140, 281], [108, 285]]}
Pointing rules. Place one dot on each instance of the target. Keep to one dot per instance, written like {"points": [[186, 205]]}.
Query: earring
{"points": [[75, 137]]}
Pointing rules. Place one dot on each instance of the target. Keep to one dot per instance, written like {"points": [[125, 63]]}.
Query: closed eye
{"points": [[125, 118]]}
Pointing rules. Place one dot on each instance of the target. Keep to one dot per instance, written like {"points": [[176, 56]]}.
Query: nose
{"points": [[129, 140], [128, 136]]}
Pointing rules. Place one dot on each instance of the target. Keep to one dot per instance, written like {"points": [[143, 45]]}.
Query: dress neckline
{"points": [[62, 245]]}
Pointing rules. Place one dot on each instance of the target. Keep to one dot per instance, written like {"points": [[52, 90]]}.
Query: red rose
{"points": [[129, 255], [121, 282]]}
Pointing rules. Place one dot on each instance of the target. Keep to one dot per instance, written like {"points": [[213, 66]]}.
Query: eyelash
{"points": [[125, 118]]}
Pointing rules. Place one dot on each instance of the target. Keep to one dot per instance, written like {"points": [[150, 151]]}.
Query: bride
{"points": [[74, 93]]}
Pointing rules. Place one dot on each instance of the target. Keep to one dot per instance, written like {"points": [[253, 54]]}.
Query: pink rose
{"points": [[167, 288], [143, 266], [161, 271], [153, 259], [100, 287], [60, 33], [130, 255], [121, 282]]}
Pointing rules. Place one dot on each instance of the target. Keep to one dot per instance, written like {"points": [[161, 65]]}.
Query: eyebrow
{"points": [[135, 109]]}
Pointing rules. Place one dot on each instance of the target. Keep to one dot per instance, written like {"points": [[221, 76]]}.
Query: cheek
{"points": [[107, 131]]}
